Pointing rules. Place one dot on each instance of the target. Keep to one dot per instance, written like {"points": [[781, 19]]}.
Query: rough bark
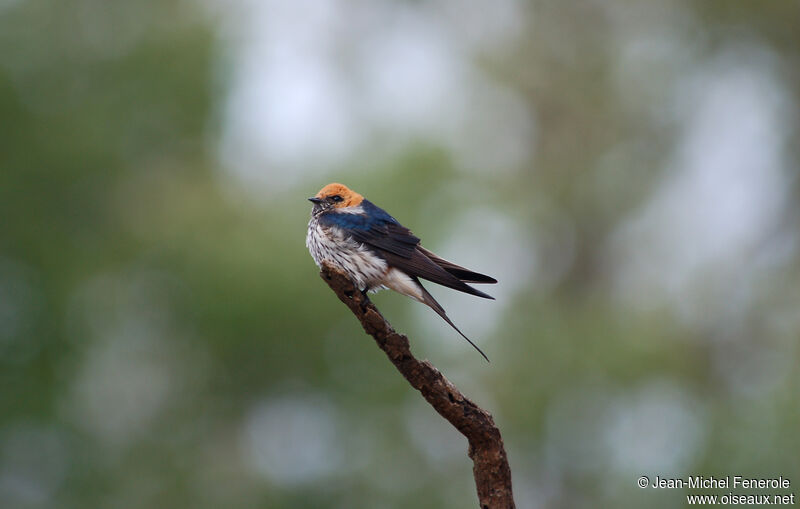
{"points": [[490, 464]]}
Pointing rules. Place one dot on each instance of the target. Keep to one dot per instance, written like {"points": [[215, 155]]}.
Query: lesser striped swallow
{"points": [[352, 234]]}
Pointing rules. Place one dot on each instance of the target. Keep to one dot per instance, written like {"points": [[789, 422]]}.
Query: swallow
{"points": [[376, 252]]}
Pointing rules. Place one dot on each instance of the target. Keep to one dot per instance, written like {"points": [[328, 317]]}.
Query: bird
{"points": [[352, 234]]}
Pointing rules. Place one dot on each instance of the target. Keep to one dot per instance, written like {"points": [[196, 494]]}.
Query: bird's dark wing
{"points": [[419, 265], [399, 247], [376, 228], [458, 271]]}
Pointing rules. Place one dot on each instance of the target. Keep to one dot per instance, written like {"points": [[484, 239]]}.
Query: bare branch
{"points": [[490, 465]]}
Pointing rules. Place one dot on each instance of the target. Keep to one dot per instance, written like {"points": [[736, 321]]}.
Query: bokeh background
{"points": [[627, 170]]}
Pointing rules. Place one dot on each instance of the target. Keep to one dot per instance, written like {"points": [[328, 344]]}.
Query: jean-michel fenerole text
{"points": [[726, 482]]}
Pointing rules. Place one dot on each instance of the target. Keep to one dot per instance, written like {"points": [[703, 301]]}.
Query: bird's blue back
{"points": [[372, 217]]}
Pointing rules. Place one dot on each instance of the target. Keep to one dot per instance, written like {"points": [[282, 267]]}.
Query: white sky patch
{"points": [[722, 196], [495, 132], [752, 370], [653, 42], [33, 464], [131, 367], [309, 85], [292, 439], [285, 98], [121, 388], [480, 26], [409, 70], [432, 436], [573, 425], [656, 428]]}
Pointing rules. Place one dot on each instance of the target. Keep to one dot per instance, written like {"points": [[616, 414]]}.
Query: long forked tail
{"points": [[431, 302]]}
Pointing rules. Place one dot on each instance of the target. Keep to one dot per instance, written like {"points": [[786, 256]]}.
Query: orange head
{"points": [[335, 196]]}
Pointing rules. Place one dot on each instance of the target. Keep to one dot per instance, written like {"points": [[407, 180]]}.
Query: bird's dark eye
{"points": [[336, 198]]}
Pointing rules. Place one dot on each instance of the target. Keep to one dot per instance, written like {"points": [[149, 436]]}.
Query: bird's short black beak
{"points": [[316, 200]]}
